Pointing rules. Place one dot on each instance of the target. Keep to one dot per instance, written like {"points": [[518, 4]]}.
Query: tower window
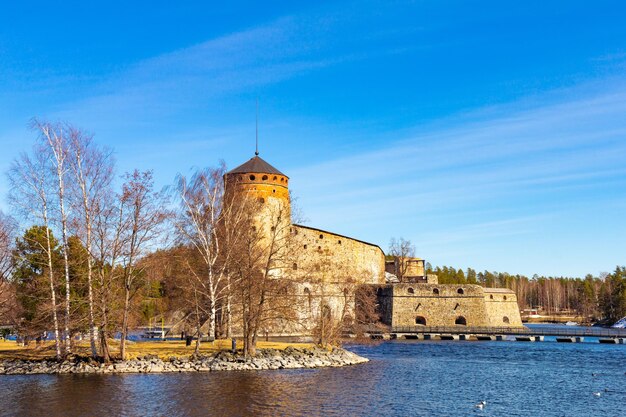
{"points": [[321, 236], [504, 298], [339, 242], [274, 177], [436, 291], [261, 200], [305, 246], [460, 291], [411, 290], [274, 190], [282, 179], [295, 266], [264, 178], [252, 177]]}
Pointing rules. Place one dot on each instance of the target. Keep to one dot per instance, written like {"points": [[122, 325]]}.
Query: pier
{"points": [[520, 334]]}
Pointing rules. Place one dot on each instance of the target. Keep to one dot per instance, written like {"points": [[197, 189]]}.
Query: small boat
{"points": [[571, 323], [620, 324], [154, 334]]}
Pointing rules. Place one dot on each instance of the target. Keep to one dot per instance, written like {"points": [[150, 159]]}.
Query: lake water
{"points": [[405, 378]]}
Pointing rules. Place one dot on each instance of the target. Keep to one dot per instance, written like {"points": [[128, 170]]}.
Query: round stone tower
{"points": [[259, 179]]}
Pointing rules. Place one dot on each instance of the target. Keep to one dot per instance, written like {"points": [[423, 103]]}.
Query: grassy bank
{"points": [[164, 350]]}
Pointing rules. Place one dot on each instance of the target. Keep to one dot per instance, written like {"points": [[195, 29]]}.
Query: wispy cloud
{"points": [[510, 170]]}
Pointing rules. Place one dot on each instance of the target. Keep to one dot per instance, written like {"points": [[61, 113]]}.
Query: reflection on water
{"points": [[403, 378]]}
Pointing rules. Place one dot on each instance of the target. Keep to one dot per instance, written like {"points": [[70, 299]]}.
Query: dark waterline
{"points": [[403, 378]]}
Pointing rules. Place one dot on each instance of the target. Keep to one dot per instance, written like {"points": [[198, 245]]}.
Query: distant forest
{"points": [[592, 297]]}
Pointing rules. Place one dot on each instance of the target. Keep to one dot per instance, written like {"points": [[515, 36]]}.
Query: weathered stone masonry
{"points": [[409, 305]]}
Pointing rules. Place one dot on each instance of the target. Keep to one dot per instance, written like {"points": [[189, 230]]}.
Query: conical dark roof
{"points": [[255, 164]]}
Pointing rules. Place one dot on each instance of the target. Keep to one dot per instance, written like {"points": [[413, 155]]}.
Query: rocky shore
{"points": [[289, 358]]}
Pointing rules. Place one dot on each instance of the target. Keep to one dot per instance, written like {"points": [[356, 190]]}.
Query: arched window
{"points": [[295, 266], [273, 191], [411, 290], [307, 290], [461, 321], [420, 320], [460, 291], [506, 320], [321, 236], [491, 297], [339, 242], [252, 177], [504, 298], [436, 291], [274, 177], [264, 178], [261, 200], [305, 246]]}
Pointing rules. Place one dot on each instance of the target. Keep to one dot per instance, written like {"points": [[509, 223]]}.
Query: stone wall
{"points": [[336, 258], [502, 308], [447, 305]]}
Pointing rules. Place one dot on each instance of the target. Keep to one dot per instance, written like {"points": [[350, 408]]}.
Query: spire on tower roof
{"points": [[256, 164]]}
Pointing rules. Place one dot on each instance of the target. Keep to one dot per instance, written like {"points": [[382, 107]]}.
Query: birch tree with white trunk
{"points": [[208, 222], [92, 169], [55, 136], [30, 195]]}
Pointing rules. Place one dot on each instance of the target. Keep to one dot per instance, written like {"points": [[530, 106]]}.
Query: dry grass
{"points": [[11, 350]]}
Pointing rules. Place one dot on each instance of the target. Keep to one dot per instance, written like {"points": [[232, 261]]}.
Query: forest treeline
{"points": [[592, 297]]}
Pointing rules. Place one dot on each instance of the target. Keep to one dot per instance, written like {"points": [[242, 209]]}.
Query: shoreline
{"points": [[265, 359]]}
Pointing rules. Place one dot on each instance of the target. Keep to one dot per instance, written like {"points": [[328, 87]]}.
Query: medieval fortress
{"points": [[332, 267]]}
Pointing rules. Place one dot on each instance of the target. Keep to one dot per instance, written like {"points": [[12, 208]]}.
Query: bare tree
{"points": [[55, 136], [110, 227], [266, 258], [145, 217], [30, 195], [208, 222], [401, 249], [92, 170], [8, 227]]}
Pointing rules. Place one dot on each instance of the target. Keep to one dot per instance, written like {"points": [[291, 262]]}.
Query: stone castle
{"points": [[343, 264]]}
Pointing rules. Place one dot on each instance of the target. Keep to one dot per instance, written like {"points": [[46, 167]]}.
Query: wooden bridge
{"points": [[565, 334]]}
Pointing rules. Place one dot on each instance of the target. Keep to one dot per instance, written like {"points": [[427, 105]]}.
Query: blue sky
{"points": [[491, 134]]}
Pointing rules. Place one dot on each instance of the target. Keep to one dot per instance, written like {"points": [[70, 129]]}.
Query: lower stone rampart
{"points": [[408, 305]]}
